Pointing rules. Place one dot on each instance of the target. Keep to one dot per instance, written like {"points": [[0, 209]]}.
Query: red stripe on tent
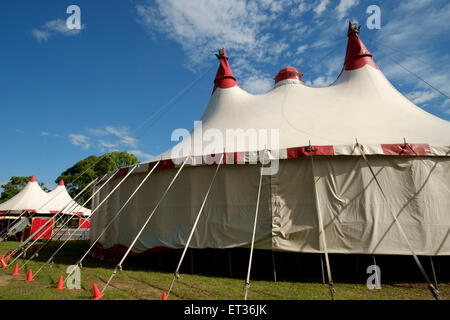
{"points": [[163, 164], [3, 212], [53, 212], [405, 150], [293, 153], [30, 211], [235, 157], [46, 232], [86, 225], [122, 172]]}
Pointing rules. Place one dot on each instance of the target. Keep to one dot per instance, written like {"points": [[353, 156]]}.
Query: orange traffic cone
{"points": [[16, 270], [164, 296], [2, 261], [60, 283], [97, 293], [30, 276], [8, 257], [31, 248], [39, 246]]}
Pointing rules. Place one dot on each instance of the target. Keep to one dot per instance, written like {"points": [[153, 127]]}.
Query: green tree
{"points": [[14, 186], [94, 167]]}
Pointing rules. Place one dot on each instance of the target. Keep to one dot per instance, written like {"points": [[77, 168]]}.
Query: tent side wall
{"points": [[356, 217]]}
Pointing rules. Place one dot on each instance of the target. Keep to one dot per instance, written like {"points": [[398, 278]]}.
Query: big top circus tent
{"points": [[361, 170]]}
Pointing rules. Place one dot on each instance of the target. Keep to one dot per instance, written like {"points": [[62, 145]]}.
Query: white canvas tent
{"points": [[34, 200], [30, 198], [407, 148], [60, 200]]}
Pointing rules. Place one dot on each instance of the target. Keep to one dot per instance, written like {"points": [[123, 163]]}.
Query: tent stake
{"points": [[321, 266], [274, 267], [434, 273], [176, 274]]}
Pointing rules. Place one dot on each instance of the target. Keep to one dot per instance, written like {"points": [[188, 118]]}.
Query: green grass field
{"points": [[140, 283]]}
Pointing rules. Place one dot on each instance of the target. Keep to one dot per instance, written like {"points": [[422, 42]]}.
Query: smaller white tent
{"points": [[61, 200], [31, 199]]}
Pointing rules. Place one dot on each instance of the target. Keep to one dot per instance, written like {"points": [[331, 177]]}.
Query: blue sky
{"points": [[65, 95]]}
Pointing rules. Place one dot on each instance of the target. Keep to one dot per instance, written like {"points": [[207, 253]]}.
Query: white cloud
{"points": [[261, 35], [301, 8], [302, 49], [44, 133], [419, 97], [321, 7], [321, 81], [245, 29], [124, 135], [257, 84], [53, 27], [112, 138], [103, 144], [79, 140], [142, 155], [40, 35], [97, 132], [344, 7]]}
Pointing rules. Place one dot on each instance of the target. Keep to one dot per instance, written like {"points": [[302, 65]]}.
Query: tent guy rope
{"points": [[321, 229], [247, 280], [93, 212], [119, 265], [55, 196], [30, 238], [433, 290], [80, 261], [176, 274]]}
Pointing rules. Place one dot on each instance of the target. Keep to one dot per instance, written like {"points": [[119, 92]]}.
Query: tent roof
{"points": [[361, 105], [60, 200], [30, 198]]}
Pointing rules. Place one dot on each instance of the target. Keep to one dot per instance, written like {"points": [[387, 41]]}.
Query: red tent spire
{"points": [[61, 183], [33, 179], [224, 77], [357, 54]]}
